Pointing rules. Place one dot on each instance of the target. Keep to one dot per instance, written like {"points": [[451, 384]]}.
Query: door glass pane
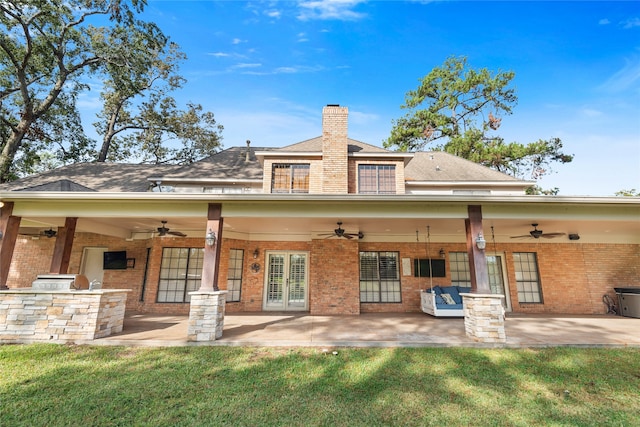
{"points": [[494, 265], [275, 279], [297, 276]]}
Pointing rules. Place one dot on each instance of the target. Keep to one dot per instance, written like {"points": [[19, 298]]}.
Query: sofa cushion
{"points": [[464, 290], [436, 290], [440, 300], [453, 291]]}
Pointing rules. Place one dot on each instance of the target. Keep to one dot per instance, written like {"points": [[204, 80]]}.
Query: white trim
{"points": [[288, 153], [466, 184], [42, 196]]}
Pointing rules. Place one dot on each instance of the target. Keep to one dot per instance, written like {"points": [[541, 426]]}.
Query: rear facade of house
{"points": [[329, 225]]}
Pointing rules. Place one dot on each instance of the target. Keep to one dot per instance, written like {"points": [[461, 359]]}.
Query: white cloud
{"points": [[631, 23], [254, 65], [591, 113], [627, 78], [361, 118], [341, 10], [238, 41], [219, 54], [604, 21], [273, 14]]}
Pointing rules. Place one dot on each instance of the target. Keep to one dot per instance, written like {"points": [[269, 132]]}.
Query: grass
{"points": [[57, 385]]}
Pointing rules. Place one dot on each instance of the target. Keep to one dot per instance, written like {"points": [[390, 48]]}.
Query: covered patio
{"points": [[379, 330]]}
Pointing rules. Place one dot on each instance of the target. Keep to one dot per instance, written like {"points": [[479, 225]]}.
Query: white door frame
{"points": [[285, 305], [92, 262], [505, 280]]}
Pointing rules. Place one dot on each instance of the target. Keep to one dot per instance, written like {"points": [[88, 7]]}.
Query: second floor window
{"points": [[290, 178], [376, 179]]}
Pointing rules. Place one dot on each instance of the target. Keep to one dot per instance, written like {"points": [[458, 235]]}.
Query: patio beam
{"points": [[477, 256], [211, 259], [63, 246], [9, 226]]}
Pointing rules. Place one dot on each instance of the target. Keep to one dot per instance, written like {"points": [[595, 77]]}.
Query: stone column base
{"points": [[206, 315], [484, 317]]}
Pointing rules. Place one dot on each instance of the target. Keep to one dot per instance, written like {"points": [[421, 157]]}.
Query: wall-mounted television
{"points": [[429, 268], [115, 260]]}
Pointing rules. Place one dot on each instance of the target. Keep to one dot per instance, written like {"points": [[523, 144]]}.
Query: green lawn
{"points": [[54, 385]]}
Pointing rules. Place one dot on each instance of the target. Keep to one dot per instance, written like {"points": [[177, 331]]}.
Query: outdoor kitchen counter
{"points": [[33, 315]]}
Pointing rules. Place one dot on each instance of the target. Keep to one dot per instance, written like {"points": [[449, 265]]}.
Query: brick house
{"points": [[329, 225]]}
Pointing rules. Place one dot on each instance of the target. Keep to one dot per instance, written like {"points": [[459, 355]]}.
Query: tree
{"points": [[139, 115], [57, 138], [457, 109], [628, 193], [47, 47]]}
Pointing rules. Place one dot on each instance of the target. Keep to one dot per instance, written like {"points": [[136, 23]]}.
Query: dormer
{"points": [[333, 163]]}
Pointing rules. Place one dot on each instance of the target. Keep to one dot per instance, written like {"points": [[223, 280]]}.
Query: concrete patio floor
{"points": [[379, 330]]}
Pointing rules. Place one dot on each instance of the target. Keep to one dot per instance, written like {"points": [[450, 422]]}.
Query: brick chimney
{"points": [[334, 149]]}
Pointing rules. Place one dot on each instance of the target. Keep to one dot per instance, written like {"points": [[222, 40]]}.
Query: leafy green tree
{"points": [[57, 138], [140, 118], [47, 47], [628, 193], [458, 109]]}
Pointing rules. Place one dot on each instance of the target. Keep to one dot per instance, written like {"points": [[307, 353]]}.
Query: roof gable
{"points": [[314, 145]]}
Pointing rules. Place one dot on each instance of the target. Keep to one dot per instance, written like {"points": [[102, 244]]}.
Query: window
{"points": [[234, 274], [459, 264], [290, 178], [527, 278], [376, 179], [180, 273], [379, 277]]}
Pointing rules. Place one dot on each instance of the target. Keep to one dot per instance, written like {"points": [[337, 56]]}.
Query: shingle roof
{"points": [[91, 177], [441, 166], [232, 164], [315, 145], [227, 164]]}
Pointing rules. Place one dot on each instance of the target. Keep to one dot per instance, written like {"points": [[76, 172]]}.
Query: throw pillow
{"points": [[448, 299]]}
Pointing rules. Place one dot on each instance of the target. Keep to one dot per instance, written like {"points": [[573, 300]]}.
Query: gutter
{"points": [[47, 196]]}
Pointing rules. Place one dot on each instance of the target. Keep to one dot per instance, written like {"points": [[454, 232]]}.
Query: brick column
{"points": [[206, 315], [484, 317]]}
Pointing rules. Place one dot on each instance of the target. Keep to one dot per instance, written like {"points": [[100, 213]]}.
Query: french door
{"points": [[286, 281], [497, 279]]}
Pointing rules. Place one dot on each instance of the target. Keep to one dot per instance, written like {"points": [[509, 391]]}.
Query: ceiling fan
{"points": [[163, 231], [536, 234], [340, 232], [47, 233]]}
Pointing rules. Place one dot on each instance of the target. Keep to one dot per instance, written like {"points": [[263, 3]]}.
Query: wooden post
{"points": [[211, 260], [9, 226], [477, 256], [62, 249]]}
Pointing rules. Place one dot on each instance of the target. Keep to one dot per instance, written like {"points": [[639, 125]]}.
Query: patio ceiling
{"points": [[384, 219]]}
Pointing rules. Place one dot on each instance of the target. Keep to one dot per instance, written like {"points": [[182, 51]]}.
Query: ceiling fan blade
{"points": [[521, 237], [177, 233], [359, 235], [552, 235]]}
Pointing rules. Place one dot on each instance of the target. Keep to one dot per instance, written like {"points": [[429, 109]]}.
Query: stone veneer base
{"points": [[484, 317], [206, 315], [28, 315]]}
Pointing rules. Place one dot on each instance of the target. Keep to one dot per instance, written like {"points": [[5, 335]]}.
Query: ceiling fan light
{"points": [[536, 233]]}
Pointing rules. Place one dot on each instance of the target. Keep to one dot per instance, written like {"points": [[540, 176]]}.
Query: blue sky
{"points": [[266, 69]]}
